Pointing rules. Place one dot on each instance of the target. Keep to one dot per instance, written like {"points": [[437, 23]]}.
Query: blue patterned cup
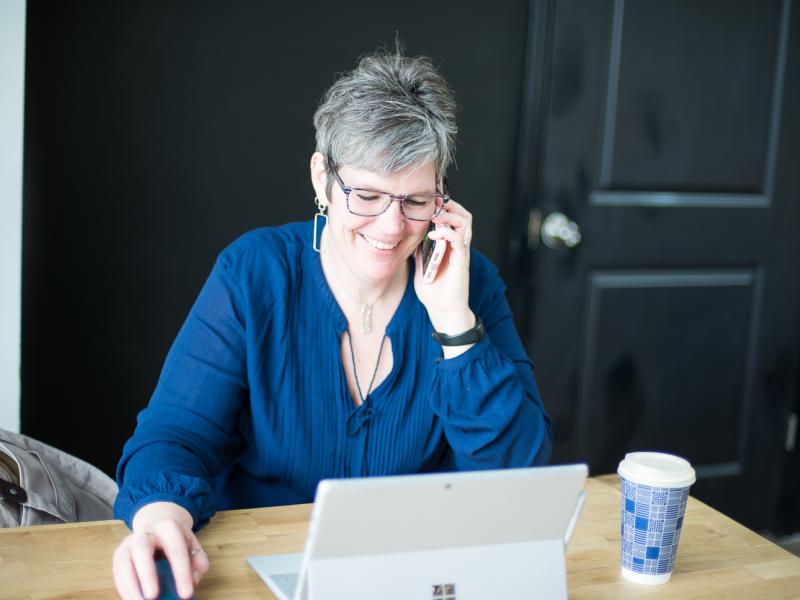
{"points": [[655, 488]]}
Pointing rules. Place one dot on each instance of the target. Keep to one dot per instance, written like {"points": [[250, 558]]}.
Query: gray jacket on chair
{"points": [[41, 485]]}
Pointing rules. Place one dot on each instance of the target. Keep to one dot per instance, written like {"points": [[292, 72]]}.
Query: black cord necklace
{"points": [[363, 413], [361, 395]]}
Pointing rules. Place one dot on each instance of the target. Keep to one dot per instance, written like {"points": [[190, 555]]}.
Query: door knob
{"points": [[558, 231]]}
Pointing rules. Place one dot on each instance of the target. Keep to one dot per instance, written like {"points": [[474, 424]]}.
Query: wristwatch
{"points": [[470, 336]]}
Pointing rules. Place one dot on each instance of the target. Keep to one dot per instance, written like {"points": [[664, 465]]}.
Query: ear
{"points": [[319, 177]]}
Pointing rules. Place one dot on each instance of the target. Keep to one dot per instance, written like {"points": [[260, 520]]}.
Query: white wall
{"points": [[12, 87]]}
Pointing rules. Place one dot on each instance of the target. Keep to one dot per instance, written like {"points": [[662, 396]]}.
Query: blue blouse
{"points": [[252, 407]]}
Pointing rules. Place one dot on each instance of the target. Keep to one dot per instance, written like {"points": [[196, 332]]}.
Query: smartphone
{"points": [[432, 254]]}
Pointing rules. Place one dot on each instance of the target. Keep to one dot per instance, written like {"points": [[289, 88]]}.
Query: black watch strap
{"points": [[470, 336]]}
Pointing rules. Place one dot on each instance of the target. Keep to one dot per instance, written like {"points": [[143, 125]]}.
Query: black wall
{"points": [[157, 132]]}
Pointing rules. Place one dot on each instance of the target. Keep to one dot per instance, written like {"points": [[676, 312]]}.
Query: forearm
{"points": [[490, 409], [163, 473]]}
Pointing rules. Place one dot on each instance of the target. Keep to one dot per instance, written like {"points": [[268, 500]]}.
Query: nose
{"points": [[392, 219]]}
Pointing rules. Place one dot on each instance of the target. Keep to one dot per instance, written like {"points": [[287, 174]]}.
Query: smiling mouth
{"points": [[378, 244]]}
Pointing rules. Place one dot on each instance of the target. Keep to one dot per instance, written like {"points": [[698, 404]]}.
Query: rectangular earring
{"points": [[320, 215]]}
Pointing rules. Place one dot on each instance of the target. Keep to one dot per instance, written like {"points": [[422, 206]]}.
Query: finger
{"points": [[456, 238], [199, 558], [175, 545], [448, 233], [456, 208], [143, 562], [465, 224], [460, 223], [457, 223], [125, 578], [453, 220], [200, 565]]}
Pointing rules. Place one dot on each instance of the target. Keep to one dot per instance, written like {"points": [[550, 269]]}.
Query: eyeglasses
{"points": [[371, 203]]}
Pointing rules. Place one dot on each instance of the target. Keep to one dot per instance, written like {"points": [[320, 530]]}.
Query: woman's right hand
{"points": [[161, 526]]}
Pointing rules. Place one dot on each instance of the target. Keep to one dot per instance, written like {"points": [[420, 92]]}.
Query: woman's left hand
{"points": [[446, 298]]}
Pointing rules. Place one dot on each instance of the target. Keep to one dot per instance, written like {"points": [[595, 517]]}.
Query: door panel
{"points": [[685, 74], [659, 128], [634, 398]]}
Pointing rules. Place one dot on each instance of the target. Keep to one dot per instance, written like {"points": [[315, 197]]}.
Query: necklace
{"points": [[366, 318], [362, 396], [366, 307]]}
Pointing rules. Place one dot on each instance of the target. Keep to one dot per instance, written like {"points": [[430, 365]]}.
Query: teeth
{"points": [[379, 245]]}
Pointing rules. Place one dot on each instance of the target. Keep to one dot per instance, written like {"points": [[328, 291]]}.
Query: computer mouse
{"points": [[166, 581]]}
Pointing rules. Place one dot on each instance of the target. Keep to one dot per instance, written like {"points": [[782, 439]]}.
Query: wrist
{"points": [[464, 339], [157, 511], [454, 322]]}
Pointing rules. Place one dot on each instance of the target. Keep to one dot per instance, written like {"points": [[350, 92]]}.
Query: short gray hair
{"points": [[390, 113]]}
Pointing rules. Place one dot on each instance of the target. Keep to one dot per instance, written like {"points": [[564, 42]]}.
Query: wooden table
{"points": [[718, 558]]}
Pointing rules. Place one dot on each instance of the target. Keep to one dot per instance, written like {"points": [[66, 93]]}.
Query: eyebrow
{"points": [[369, 189]]}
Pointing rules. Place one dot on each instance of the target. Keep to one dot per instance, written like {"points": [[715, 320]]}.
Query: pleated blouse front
{"points": [[252, 406]]}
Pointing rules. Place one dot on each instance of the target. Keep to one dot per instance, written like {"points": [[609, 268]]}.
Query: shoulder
{"points": [[266, 243], [483, 274], [266, 255], [487, 291]]}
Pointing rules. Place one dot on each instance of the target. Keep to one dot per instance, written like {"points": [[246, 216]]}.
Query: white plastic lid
{"points": [[657, 469]]}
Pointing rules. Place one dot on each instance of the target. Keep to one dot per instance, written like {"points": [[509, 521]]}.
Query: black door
{"points": [[658, 210]]}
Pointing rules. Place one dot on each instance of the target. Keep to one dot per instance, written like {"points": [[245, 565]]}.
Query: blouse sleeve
{"points": [[188, 431], [487, 398]]}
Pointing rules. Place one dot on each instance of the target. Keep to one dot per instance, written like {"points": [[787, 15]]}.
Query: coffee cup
{"points": [[655, 488]]}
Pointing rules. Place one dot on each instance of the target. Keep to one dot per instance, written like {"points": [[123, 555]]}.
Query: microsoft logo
{"points": [[444, 591]]}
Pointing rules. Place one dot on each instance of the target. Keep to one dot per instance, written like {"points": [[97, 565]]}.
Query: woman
{"points": [[315, 349]]}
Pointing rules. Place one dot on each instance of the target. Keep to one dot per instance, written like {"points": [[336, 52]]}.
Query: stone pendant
{"points": [[366, 318]]}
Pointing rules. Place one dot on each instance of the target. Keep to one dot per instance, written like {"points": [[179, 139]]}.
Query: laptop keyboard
{"points": [[286, 582]]}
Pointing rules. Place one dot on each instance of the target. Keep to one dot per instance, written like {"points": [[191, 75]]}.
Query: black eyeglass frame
{"points": [[445, 196]]}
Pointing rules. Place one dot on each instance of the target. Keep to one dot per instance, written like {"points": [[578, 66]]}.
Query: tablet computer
{"points": [[443, 536]]}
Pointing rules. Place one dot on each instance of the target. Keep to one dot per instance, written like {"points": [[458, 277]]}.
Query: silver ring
{"points": [[464, 243], [197, 551]]}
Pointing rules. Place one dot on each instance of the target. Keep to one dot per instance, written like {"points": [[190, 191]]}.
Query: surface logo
{"points": [[443, 591]]}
